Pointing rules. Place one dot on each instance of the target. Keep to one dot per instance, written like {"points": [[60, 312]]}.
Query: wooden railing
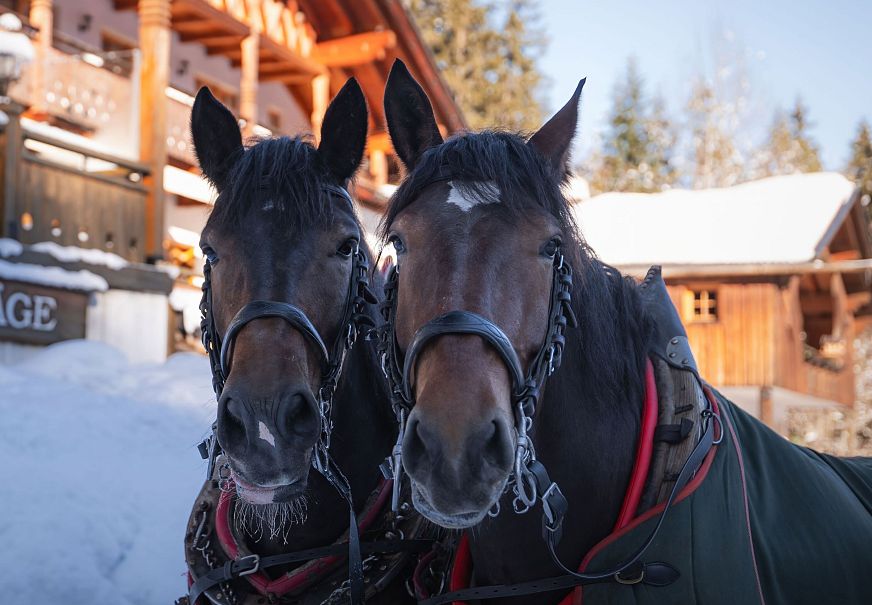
{"points": [[71, 195], [829, 384]]}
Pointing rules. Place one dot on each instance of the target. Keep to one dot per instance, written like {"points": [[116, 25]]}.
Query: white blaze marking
{"points": [[466, 204], [264, 433], [269, 205]]}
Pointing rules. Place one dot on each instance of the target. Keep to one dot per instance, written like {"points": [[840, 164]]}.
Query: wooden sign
{"points": [[40, 315]]}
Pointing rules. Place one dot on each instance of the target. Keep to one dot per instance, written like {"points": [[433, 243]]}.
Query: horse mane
{"points": [[284, 172], [614, 329]]}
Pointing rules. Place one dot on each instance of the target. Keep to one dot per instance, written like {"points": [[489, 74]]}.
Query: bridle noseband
{"points": [[529, 480], [354, 322]]}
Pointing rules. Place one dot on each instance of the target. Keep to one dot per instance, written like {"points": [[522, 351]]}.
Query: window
{"points": [[705, 306]]}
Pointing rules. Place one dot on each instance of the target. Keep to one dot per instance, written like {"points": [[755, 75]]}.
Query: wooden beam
{"points": [[125, 5], [676, 271], [248, 83], [211, 39], [845, 255], [290, 79], [154, 44], [320, 101], [379, 141], [354, 50], [41, 17]]}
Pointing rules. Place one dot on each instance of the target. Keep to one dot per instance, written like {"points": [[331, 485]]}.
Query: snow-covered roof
{"points": [[782, 219]]}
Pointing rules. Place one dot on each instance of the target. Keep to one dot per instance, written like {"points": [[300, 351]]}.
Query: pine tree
{"points": [[487, 53], [860, 165], [636, 154], [717, 162], [789, 149]]}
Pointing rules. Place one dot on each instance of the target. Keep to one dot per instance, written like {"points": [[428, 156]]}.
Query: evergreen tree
{"points": [[717, 162], [636, 153], [860, 165], [487, 52], [789, 149]]}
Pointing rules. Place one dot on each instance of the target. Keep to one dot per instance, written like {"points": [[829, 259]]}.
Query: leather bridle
{"points": [[529, 480], [354, 322]]}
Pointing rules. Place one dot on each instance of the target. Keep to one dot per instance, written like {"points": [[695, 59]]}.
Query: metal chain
{"points": [[205, 550]]}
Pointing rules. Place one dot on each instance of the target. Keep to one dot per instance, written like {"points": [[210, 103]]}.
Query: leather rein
{"points": [[220, 351], [529, 481]]}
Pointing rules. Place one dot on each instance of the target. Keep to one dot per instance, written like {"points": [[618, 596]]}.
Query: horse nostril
{"points": [[231, 427], [299, 414], [497, 444], [414, 444]]}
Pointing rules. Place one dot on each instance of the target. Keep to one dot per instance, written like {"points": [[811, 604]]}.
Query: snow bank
{"points": [[10, 247], [73, 254], [53, 276], [101, 469]]}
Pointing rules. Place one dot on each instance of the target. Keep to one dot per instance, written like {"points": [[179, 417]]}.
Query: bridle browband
{"points": [[354, 322], [529, 480]]}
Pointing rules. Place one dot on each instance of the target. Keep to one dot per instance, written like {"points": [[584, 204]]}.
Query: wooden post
{"points": [[41, 17], [12, 144], [248, 82], [154, 44], [320, 101], [378, 167]]}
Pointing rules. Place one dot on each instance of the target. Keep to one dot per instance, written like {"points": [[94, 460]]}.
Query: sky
{"points": [[819, 50]]}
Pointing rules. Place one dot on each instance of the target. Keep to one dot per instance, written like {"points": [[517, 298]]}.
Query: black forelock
{"points": [[284, 171], [475, 162]]}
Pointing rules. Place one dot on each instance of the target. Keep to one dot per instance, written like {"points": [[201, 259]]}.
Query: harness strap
{"points": [[259, 309], [462, 322], [651, 574], [244, 566]]}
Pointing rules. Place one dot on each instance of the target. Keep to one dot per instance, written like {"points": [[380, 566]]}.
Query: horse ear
{"points": [[217, 138], [410, 118], [554, 139], [343, 132]]}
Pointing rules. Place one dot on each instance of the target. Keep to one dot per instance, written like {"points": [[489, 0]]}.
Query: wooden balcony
{"points": [[73, 196]]}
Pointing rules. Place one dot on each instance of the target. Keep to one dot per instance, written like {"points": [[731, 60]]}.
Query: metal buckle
{"points": [[630, 581], [550, 518], [253, 560]]}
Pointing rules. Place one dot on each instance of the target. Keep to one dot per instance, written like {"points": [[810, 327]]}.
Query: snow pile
{"points": [[53, 276], [101, 469], [782, 219], [73, 254], [10, 247]]}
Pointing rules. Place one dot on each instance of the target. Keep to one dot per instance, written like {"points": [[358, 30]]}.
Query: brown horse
{"points": [[494, 288], [286, 297]]}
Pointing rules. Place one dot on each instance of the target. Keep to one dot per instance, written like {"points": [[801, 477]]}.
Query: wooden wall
{"points": [[110, 213], [757, 339]]}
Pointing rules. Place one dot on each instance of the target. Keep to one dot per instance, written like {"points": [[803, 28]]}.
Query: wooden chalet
{"points": [[772, 279], [97, 153], [113, 81]]}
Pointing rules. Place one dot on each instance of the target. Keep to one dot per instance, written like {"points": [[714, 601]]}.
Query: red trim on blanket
{"points": [[575, 597], [644, 450], [461, 570], [304, 575]]}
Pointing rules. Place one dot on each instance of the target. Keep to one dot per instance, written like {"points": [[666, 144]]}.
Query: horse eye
{"points": [[210, 255], [348, 248], [551, 248], [398, 244]]}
